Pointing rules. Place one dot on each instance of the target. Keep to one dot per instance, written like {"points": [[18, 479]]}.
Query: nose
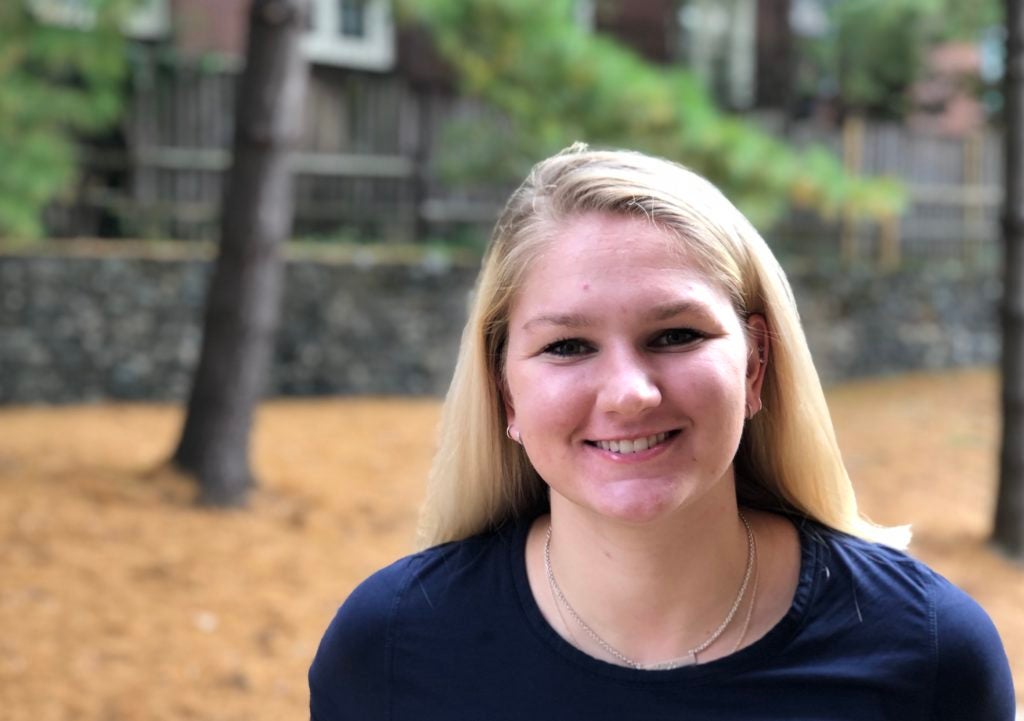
{"points": [[629, 386]]}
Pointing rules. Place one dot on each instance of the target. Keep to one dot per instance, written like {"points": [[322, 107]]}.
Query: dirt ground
{"points": [[121, 600]]}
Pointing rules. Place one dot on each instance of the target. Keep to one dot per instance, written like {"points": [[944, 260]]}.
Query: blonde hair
{"points": [[788, 458]]}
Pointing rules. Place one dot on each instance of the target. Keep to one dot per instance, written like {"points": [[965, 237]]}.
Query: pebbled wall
{"points": [[125, 324]]}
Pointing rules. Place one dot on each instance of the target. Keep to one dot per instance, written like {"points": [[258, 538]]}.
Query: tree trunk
{"points": [[243, 300], [1009, 520], [775, 67]]}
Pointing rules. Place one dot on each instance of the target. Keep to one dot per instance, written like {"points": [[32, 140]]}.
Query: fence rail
{"points": [[369, 164]]}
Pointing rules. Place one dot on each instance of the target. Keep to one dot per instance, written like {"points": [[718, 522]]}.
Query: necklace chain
{"points": [[691, 656], [750, 606]]}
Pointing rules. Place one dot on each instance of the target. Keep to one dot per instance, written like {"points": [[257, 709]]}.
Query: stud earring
{"points": [[508, 433]]}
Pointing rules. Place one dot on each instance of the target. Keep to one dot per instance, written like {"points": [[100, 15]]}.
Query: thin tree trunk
{"points": [[243, 300], [774, 67], [1009, 519]]}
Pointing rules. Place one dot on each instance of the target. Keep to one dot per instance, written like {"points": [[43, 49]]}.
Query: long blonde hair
{"points": [[788, 458]]}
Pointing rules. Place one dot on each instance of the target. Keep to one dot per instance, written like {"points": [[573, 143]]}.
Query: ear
{"points": [[759, 345], [506, 400]]}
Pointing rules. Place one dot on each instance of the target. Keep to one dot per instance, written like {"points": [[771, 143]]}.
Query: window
{"points": [[68, 13], [149, 19], [719, 43], [353, 18], [352, 33]]}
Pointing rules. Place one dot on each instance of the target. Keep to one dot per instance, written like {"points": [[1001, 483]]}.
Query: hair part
{"points": [[788, 459]]}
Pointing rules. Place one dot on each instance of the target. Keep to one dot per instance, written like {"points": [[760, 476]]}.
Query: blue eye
{"points": [[676, 337], [567, 347]]}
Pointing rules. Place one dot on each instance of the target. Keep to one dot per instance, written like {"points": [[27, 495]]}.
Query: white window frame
{"points": [[64, 13], [149, 21], [325, 44], [723, 30]]}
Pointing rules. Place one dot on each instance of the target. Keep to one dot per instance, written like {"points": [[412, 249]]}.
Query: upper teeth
{"points": [[632, 446]]}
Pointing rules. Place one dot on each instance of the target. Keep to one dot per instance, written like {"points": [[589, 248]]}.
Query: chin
{"points": [[639, 506]]}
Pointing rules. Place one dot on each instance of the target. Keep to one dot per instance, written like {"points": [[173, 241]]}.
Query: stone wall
{"points": [[866, 324], [111, 326], [125, 325]]}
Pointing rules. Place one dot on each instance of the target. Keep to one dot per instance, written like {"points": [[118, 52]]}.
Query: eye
{"points": [[567, 347], [676, 337]]}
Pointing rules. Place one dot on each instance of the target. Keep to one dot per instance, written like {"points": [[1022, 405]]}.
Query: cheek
{"points": [[712, 386], [547, 402]]}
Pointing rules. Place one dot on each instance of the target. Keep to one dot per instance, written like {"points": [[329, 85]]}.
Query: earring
{"points": [[508, 433]]}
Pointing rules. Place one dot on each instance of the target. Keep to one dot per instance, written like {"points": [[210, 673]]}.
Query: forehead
{"points": [[605, 244], [618, 268]]}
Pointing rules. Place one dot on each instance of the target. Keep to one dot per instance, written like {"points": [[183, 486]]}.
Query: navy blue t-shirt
{"points": [[454, 633]]}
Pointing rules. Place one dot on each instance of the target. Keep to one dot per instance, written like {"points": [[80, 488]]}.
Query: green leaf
{"points": [[554, 84], [55, 83]]}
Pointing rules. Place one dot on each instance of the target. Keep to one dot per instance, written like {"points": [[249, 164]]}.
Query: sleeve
{"points": [[350, 675], [973, 678]]}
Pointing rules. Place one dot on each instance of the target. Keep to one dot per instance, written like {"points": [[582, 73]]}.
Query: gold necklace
{"points": [[691, 656]]}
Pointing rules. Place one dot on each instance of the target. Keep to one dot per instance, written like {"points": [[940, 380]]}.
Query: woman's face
{"points": [[628, 371]]}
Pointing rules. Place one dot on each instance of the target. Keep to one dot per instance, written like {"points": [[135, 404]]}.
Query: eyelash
{"points": [[560, 347], [691, 336]]}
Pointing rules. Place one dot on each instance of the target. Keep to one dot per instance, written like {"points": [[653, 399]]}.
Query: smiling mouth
{"points": [[634, 445]]}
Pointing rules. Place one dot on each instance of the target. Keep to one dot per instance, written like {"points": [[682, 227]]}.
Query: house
{"points": [[944, 101], [358, 34], [380, 96]]}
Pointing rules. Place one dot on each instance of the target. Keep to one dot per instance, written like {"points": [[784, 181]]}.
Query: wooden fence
{"points": [[369, 167], [954, 189]]}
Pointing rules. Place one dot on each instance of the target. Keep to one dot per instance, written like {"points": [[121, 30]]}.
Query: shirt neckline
{"points": [[768, 646]]}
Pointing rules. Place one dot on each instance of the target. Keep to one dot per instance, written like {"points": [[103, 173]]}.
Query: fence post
{"points": [[973, 214], [853, 160], [890, 255]]}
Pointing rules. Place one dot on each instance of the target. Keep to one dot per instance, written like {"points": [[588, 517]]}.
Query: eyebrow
{"points": [[568, 320], [665, 311], [671, 310]]}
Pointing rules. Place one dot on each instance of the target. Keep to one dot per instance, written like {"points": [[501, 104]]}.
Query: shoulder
{"points": [[351, 674], [912, 612], [874, 568], [348, 677], [866, 586], [870, 601], [973, 675]]}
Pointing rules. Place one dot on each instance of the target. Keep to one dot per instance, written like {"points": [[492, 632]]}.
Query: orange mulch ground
{"points": [[119, 599]]}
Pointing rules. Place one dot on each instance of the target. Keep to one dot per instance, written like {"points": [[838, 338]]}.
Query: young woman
{"points": [[638, 509]]}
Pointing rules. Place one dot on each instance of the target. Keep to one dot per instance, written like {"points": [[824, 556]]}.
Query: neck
{"points": [[651, 591]]}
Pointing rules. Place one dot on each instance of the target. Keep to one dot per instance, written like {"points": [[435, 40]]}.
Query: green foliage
{"points": [[555, 83], [959, 20], [879, 51], [57, 80], [875, 49]]}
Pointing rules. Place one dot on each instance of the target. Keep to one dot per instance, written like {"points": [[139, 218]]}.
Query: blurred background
{"points": [[864, 138]]}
